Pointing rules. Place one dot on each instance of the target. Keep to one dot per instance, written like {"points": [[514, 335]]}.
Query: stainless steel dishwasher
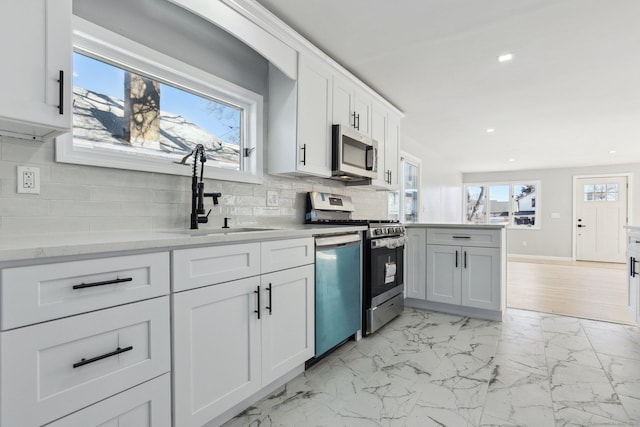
{"points": [[338, 292]]}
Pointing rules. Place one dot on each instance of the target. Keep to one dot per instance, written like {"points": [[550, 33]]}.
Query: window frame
{"points": [[487, 204], [97, 42], [400, 194]]}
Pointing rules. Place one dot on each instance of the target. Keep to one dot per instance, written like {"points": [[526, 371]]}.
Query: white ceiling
{"points": [[570, 95]]}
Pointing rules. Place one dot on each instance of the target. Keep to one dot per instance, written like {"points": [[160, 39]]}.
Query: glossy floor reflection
{"points": [[434, 369]]}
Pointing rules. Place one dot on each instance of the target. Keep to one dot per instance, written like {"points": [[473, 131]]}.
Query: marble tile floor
{"points": [[434, 369]]}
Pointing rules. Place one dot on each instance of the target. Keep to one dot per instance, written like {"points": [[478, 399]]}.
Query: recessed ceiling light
{"points": [[505, 57], [612, 151], [512, 159], [490, 130]]}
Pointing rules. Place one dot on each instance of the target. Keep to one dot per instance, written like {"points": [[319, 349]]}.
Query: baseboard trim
{"points": [[477, 313], [541, 257]]}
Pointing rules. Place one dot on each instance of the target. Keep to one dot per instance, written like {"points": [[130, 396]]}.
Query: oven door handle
{"points": [[391, 243]]}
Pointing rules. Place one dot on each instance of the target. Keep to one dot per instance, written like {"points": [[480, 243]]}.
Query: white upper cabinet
{"points": [[385, 128], [351, 107], [35, 41], [300, 120]]}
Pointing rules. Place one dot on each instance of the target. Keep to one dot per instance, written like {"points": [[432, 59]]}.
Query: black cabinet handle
{"points": [[358, 121], [61, 93], [632, 267], [461, 237], [84, 361], [456, 259], [304, 154], [269, 307], [389, 177], [465, 259], [353, 125], [258, 310], [106, 282]]}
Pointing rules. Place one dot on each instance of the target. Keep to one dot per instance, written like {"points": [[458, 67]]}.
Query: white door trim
{"points": [[629, 177]]}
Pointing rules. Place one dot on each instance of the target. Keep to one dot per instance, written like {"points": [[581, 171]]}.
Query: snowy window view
{"points": [[118, 110]]}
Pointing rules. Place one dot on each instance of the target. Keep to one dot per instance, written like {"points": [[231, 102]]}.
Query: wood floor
{"points": [[581, 289]]}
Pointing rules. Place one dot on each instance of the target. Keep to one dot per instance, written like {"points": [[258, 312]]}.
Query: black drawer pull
{"points": [[83, 361], [257, 292], [106, 282], [61, 93], [461, 237], [270, 290]]}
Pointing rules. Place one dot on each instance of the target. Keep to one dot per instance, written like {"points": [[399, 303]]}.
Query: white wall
{"points": [[554, 238], [441, 186]]}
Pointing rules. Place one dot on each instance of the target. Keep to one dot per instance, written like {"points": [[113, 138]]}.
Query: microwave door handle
{"points": [[372, 158]]}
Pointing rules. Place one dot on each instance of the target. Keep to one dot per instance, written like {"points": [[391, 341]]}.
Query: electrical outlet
{"points": [[28, 180]]}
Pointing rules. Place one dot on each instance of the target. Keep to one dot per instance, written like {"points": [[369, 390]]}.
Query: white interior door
{"points": [[601, 214]]}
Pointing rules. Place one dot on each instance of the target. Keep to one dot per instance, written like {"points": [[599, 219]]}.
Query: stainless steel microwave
{"points": [[355, 155]]}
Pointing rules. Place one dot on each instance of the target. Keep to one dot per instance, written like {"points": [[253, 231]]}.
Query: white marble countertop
{"points": [[29, 247], [455, 225], [632, 228]]}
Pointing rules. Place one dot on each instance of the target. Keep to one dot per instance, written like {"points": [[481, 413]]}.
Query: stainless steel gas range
{"points": [[382, 261]]}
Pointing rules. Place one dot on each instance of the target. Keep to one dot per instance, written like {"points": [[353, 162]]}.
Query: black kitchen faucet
{"points": [[197, 188]]}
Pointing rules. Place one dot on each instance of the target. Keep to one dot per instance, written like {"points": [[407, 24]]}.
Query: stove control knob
{"points": [[377, 231]]}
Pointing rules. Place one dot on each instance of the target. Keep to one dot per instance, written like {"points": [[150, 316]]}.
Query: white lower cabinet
{"points": [[232, 339], [52, 369], [467, 276], [146, 405], [216, 349], [287, 321], [458, 270]]}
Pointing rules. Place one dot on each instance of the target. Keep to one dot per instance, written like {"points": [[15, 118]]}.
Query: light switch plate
{"points": [[28, 179]]}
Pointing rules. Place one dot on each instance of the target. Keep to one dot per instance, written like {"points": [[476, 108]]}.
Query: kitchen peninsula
{"points": [[457, 268]]}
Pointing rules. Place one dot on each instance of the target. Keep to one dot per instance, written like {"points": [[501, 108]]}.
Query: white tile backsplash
{"points": [[77, 198]]}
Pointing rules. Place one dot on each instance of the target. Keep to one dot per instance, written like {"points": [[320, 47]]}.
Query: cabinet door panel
{"points": [[35, 39], [391, 153], [443, 274], [314, 119], [216, 350], [481, 278], [342, 102], [288, 327]]}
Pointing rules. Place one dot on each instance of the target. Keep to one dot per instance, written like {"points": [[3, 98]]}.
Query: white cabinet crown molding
{"points": [[266, 20]]}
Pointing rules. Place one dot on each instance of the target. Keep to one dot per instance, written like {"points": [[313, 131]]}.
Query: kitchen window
{"points": [[404, 205], [515, 204], [136, 108]]}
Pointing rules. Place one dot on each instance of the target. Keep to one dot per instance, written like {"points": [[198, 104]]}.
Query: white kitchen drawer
{"points": [[633, 242], [146, 405], [193, 268], [464, 237], [39, 293], [283, 254], [38, 380]]}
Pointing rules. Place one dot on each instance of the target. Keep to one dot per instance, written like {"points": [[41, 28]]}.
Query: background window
{"points": [[404, 205], [514, 204]]}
